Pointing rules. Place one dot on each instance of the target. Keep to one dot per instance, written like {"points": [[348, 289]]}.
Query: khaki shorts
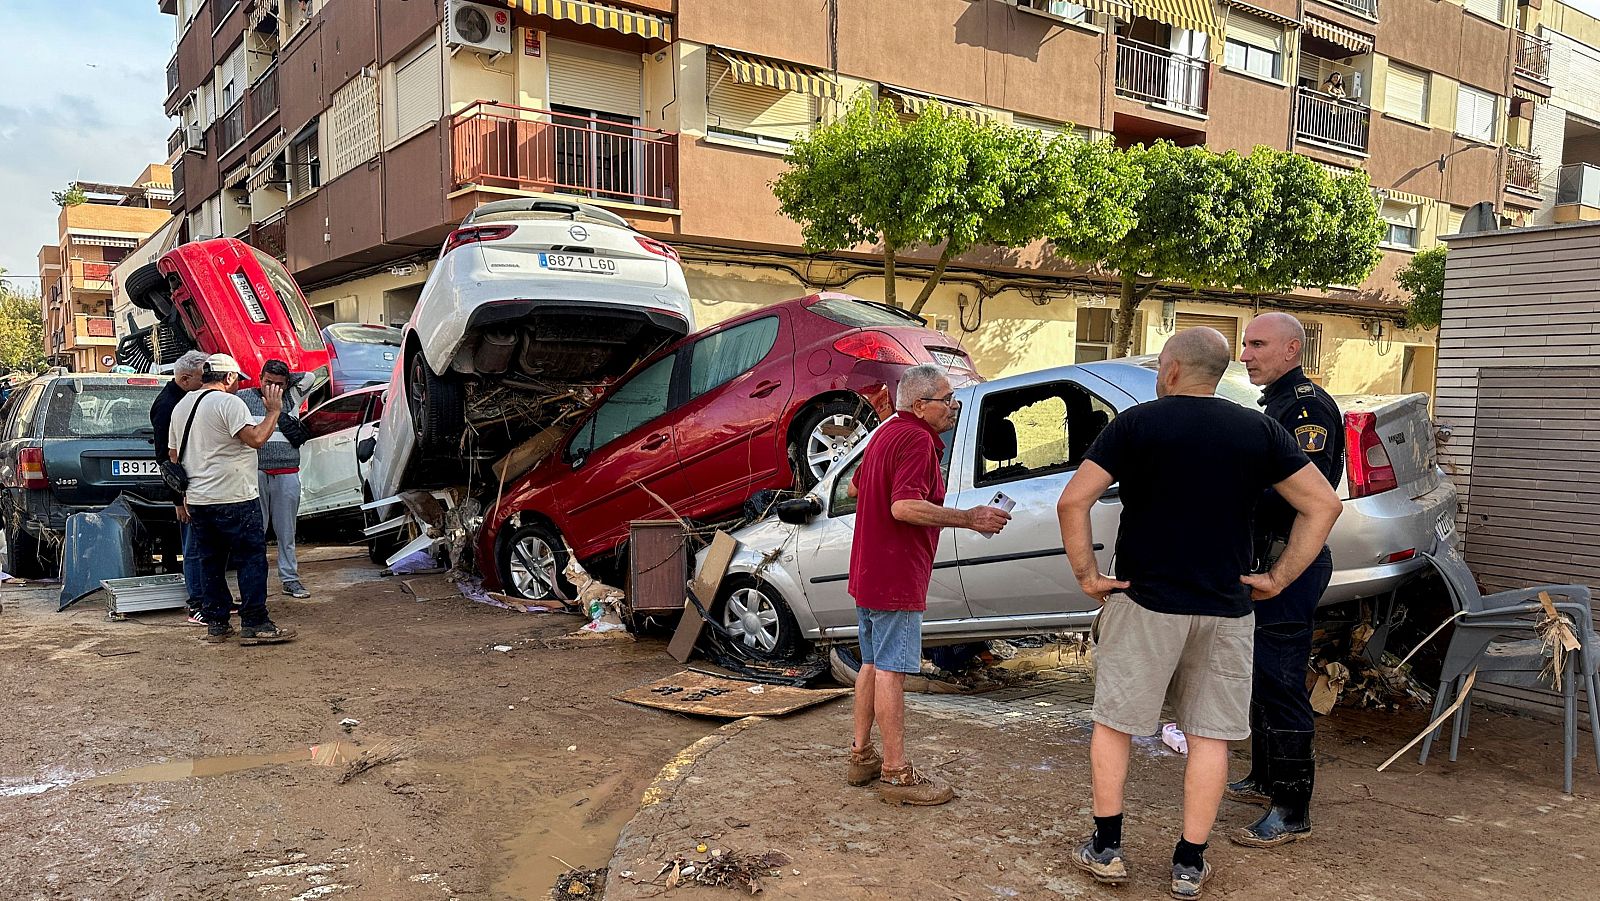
{"points": [[1200, 665]]}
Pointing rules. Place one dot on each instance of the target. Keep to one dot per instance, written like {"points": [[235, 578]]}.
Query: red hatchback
{"points": [[757, 402]]}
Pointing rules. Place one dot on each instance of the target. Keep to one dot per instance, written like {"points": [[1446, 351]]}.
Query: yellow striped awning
{"points": [[1353, 41], [1258, 12], [783, 76], [600, 15], [1399, 196], [1195, 15], [913, 104]]}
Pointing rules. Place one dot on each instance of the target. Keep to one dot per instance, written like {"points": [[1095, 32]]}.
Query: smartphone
{"points": [[1001, 501]]}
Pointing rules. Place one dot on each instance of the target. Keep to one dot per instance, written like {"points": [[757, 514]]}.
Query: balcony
{"points": [[172, 76], [230, 128], [88, 275], [175, 141], [263, 98], [1152, 74], [1578, 193], [1533, 57], [1522, 170], [1364, 8], [270, 235], [91, 331], [539, 150], [1340, 124]]}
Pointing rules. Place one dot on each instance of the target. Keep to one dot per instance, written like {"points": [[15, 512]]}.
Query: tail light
{"points": [[30, 466], [476, 234], [656, 247], [1371, 471], [144, 383], [870, 345]]}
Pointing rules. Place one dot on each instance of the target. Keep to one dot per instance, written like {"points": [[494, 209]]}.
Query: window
{"points": [[103, 410], [232, 78], [1475, 114], [304, 162], [1060, 9], [753, 112], [1311, 350], [583, 77], [352, 126], [1406, 93], [840, 503], [1253, 45], [294, 306], [639, 400], [720, 358], [1402, 221], [1037, 430], [343, 412], [1095, 329], [862, 314], [1493, 10], [416, 92], [1051, 129]]}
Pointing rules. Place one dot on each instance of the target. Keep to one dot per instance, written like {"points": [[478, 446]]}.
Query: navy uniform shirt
{"points": [[1311, 416]]}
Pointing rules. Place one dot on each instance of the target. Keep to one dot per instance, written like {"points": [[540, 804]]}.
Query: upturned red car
{"points": [[766, 400]]}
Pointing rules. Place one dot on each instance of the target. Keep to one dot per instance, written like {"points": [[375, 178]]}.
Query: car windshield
{"points": [[856, 314], [305, 327], [99, 410], [364, 346]]}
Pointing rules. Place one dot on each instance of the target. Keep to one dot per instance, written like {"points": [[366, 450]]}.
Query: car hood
{"points": [[761, 537]]}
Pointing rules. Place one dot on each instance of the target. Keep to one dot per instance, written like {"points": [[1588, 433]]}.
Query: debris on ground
{"points": [[417, 563], [379, 754], [579, 884], [724, 868], [348, 724], [706, 695], [600, 602], [1173, 737]]}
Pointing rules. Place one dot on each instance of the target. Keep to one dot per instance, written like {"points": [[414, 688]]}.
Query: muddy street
{"points": [[136, 761]]}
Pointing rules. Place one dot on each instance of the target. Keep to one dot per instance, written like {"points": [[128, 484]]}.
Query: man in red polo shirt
{"points": [[898, 517]]}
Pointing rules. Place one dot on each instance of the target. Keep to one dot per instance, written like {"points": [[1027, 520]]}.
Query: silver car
{"points": [[1025, 436]]}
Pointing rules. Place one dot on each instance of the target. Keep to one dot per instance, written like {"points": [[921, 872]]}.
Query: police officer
{"points": [[1282, 767]]}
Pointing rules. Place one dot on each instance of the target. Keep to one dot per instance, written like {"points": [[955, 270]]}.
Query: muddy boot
{"points": [[907, 786], [866, 765], [265, 633], [1293, 775], [217, 634], [1252, 789]]}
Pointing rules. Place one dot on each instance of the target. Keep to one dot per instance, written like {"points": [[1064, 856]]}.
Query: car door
{"points": [[739, 382], [624, 463], [368, 429], [329, 478], [1026, 443]]}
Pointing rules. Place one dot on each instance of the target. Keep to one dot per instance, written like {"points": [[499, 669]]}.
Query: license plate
{"points": [[566, 262], [1445, 528], [949, 361], [135, 468]]}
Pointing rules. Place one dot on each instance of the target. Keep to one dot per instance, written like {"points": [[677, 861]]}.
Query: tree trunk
{"points": [[1127, 314], [930, 284], [888, 277]]}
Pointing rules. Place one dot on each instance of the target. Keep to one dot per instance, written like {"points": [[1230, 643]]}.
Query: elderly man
{"points": [[1177, 621], [901, 509], [279, 463], [215, 438], [185, 378], [1282, 766]]}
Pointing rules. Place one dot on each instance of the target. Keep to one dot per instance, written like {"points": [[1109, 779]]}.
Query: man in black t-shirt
{"points": [[1178, 618]]}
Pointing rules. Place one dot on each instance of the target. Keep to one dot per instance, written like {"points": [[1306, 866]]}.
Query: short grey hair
{"points": [[915, 383], [193, 361]]}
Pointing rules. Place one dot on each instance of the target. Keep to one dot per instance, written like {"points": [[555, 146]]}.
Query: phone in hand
{"points": [[1001, 501]]}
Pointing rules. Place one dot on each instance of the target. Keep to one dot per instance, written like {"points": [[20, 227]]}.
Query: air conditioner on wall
{"points": [[477, 27], [194, 138]]}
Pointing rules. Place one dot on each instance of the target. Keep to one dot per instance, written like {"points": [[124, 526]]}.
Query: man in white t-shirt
{"points": [[215, 438]]}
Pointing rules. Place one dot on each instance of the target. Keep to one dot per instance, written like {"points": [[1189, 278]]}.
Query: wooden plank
{"points": [[657, 565], [527, 455], [704, 587], [740, 699]]}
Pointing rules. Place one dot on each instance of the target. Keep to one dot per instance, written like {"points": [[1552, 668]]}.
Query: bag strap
{"points": [[183, 446]]}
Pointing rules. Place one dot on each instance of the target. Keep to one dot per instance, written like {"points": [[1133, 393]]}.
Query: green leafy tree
{"points": [[71, 195], [1423, 277], [21, 330], [1266, 222]]}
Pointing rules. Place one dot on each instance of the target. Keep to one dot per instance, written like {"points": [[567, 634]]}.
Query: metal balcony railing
{"points": [[1368, 8], [86, 326], [1522, 170], [230, 128], [1157, 75], [175, 141], [1533, 56], [90, 274], [540, 150], [263, 97], [1578, 183], [1344, 124], [172, 75], [270, 235]]}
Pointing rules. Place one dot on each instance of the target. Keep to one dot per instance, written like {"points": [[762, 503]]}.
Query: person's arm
{"points": [[916, 471], [257, 435], [1077, 531], [1317, 508], [987, 520], [293, 429]]}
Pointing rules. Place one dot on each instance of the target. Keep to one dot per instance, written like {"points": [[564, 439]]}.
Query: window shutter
{"points": [[233, 75], [1227, 325], [1489, 9], [1402, 214], [352, 126], [1475, 114], [1255, 31], [1406, 93], [1453, 219], [1049, 128], [754, 109], [593, 78], [418, 90]]}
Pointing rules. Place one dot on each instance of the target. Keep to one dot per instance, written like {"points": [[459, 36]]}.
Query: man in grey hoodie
{"points": [[278, 462]]}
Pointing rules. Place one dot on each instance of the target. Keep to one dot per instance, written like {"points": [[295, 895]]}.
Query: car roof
{"points": [[534, 208]]}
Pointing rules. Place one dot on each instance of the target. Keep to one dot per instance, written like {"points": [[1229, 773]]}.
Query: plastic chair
{"points": [[1486, 639]]}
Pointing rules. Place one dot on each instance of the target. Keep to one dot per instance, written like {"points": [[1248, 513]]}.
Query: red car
{"points": [[761, 401]]}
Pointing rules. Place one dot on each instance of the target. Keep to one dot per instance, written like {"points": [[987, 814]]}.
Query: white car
{"points": [[330, 472], [530, 298]]}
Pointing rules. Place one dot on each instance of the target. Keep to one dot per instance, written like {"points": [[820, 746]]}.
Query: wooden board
{"points": [[527, 455], [705, 585], [657, 566], [739, 701]]}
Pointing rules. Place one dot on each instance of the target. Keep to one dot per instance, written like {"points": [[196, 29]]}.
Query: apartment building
{"points": [[348, 136], [75, 272], [1555, 154]]}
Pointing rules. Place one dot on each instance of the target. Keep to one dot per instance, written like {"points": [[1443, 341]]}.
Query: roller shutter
{"points": [[594, 78], [1406, 93], [418, 90], [1227, 325], [751, 109]]}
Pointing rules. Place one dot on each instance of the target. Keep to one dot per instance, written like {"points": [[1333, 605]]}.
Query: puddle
{"points": [[331, 754], [581, 828]]}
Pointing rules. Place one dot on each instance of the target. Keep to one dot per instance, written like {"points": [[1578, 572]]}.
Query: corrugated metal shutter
{"points": [[1453, 218], [1406, 93], [1489, 9], [352, 126], [594, 78], [1227, 325], [418, 90], [1255, 31], [1475, 113], [754, 109]]}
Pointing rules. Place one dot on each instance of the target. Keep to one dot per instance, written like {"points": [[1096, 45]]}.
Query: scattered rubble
{"points": [[723, 867]]}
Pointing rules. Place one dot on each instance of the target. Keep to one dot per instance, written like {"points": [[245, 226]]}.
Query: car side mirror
{"points": [[576, 456], [365, 449], [798, 511]]}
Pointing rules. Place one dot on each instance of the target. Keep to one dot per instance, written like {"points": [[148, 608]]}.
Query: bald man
{"points": [[1177, 622], [1282, 726]]}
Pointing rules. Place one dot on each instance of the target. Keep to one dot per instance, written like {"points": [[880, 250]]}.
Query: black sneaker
{"points": [[265, 633], [218, 634], [1105, 866], [1188, 881], [295, 590]]}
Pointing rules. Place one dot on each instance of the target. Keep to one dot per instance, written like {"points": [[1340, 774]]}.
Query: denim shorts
{"points": [[891, 639]]}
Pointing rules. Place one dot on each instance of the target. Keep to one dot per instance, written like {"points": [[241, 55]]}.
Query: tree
{"points": [[21, 330], [937, 181], [71, 195], [1260, 223], [1424, 278]]}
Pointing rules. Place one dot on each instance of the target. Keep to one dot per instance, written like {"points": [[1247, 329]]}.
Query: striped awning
{"points": [[1525, 94], [1195, 15], [1270, 16], [913, 104], [1399, 196], [103, 241], [600, 15], [783, 76], [1354, 41]]}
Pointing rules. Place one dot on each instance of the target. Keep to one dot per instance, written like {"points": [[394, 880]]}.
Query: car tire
{"points": [[525, 553], [438, 408], [23, 558], [756, 614], [812, 449], [147, 290]]}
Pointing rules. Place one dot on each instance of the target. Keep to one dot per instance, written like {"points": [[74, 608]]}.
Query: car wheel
{"points": [[823, 434], [759, 620], [438, 411], [23, 558], [531, 562], [147, 290]]}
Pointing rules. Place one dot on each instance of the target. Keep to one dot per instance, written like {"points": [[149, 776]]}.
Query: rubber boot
{"points": [[1288, 819], [1252, 789]]}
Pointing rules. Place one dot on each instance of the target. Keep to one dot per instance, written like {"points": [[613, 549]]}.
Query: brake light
{"points": [[144, 382], [476, 234], [1371, 472], [658, 248], [870, 345], [30, 466]]}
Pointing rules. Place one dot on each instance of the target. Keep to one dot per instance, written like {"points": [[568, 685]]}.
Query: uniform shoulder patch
{"points": [[1305, 389], [1311, 438]]}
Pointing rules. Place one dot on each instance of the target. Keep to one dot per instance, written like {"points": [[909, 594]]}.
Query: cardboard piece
{"points": [[740, 698], [704, 587]]}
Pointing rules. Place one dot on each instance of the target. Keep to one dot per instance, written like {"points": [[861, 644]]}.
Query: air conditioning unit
{"points": [[477, 27], [194, 138]]}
